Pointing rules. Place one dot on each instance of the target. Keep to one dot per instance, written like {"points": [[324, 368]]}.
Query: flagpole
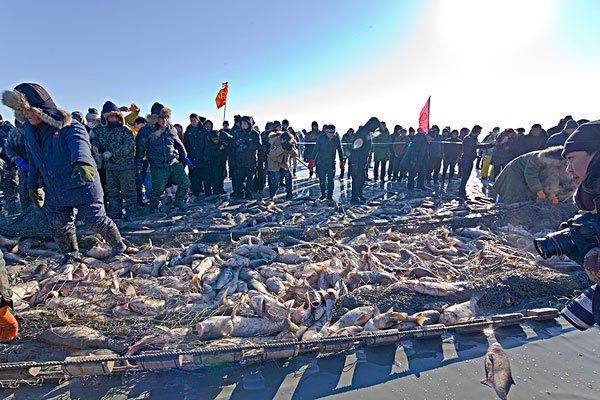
{"points": [[224, 111]]}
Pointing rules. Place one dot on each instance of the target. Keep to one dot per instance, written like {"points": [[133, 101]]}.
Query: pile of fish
{"points": [[272, 283]]}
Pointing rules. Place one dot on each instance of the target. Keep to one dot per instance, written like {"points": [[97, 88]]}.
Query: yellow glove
{"points": [[84, 172], [541, 195], [553, 199], [37, 197]]}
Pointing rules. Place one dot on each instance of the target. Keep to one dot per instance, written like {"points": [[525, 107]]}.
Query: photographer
{"points": [[582, 151]]}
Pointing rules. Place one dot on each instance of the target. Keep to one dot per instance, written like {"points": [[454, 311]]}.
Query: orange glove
{"points": [[553, 199], [541, 195], [9, 327]]}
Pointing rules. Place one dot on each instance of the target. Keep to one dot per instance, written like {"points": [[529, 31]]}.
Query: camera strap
{"points": [[596, 305]]}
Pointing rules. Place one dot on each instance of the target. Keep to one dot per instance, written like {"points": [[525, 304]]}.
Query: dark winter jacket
{"points": [[52, 153], [417, 155], [557, 139], [245, 146], [161, 146], [15, 145], [360, 155], [347, 141], [470, 146], [195, 141], [528, 143], [325, 149], [435, 147], [452, 151]]}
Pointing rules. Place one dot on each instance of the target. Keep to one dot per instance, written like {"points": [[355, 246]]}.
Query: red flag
{"points": [[424, 117], [221, 98]]}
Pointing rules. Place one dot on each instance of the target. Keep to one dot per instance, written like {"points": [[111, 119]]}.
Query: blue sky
{"points": [[334, 61]]}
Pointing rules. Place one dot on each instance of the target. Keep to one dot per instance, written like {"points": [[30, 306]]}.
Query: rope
{"points": [[356, 339]]}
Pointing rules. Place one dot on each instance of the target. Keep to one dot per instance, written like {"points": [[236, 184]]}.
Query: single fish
{"points": [[497, 371], [461, 312], [79, 337], [358, 316], [221, 326]]}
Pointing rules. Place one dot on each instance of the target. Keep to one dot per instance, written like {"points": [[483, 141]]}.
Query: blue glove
{"points": [[21, 164], [187, 162]]}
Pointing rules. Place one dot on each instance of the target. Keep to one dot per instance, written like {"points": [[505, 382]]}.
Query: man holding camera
{"points": [[582, 151]]}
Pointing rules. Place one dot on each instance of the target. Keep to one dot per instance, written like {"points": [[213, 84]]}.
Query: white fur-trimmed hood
{"points": [[18, 102]]}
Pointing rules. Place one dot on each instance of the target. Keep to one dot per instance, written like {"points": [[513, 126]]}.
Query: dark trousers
{"points": [[275, 179], [216, 171], [120, 185], [62, 218], [357, 171], [435, 164], [140, 178], [261, 176], [326, 182], [243, 181], [417, 172], [497, 169], [466, 169], [448, 168], [391, 166], [377, 172], [399, 172], [200, 178]]}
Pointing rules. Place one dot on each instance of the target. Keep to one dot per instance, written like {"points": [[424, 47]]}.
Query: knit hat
{"points": [[92, 114], [571, 124], [110, 109], [78, 116], [33, 97], [585, 138]]}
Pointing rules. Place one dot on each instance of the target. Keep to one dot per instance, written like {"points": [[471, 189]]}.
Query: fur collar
{"points": [[18, 102]]}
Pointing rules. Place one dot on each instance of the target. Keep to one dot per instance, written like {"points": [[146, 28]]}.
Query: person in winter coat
{"points": [[324, 152], [16, 151], [8, 173], [535, 140], [216, 151], [62, 168], [538, 174], [246, 145], [347, 141], [263, 152], [381, 152], [582, 152], [503, 150], [283, 148], [559, 139], [560, 126], [115, 143], [359, 158], [400, 145], [310, 139], [435, 155], [92, 118], [469, 154], [195, 139], [451, 153], [159, 142], [417, 160]]}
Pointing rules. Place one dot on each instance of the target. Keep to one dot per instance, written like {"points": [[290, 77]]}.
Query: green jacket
{"points": [[381, 151], [119, 142], [526, 175]]}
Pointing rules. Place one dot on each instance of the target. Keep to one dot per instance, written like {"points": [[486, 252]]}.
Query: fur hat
{"points": [[110, 109], [33, 97], [158, 111], [585, 138]]}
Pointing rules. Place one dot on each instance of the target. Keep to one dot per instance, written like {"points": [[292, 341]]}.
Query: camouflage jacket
{"points": [[119, 142], [15, 145]]}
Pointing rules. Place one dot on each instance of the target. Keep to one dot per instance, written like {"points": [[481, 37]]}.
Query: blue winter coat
{"points": [[52, 153]]}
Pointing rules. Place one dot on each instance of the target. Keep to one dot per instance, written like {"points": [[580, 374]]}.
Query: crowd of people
{"points": [[76, 165]]}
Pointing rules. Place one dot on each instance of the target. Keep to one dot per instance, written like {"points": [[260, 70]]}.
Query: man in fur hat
{"points": [[246, 145], [62, 169], [159, 143], [115, 144]]}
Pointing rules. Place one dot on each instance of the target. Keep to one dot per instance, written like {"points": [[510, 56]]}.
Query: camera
{"points": [[578, 236]]}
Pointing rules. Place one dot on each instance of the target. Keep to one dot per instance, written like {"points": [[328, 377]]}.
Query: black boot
{"points": [[115, 241], [67, 244]]}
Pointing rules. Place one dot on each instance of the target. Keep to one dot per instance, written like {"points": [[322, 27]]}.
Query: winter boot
{"points": [[113, 238], [67, 244]]}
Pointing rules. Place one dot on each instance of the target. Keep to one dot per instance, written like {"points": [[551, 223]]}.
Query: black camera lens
{"points": [[555, 244]]}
